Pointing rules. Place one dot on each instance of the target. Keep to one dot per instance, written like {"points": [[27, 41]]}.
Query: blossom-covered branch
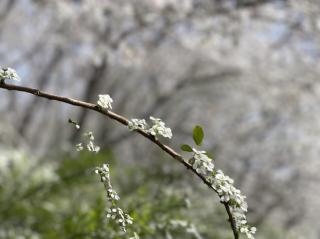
{"points": [[114, 212], [158, 128]]}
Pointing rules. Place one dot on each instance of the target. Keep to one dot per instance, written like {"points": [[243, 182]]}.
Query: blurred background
{"points": [[246, 70]]}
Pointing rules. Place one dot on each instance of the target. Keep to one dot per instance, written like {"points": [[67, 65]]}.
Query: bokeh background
{"points": [[246, 70]]}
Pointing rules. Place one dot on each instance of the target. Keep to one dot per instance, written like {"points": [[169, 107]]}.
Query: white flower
{"points": [[89, 135], [105, 167], [93, 148], [105, 101], [79, 147], [159, 128], [129, 220], [90, 145], [7, 73], [122, 219], [134, 124], [249, 232], [112, 195], [202, 163]]}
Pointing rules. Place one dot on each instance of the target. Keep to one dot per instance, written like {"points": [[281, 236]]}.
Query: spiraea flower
{"points": [[89, 145], [223, 185], [121, 218], [92, 147], [201, 162], [113, 212], [79, 147], [7, 73], [248, 231], [135, 124], [105, 101], [228, 193], [112, 195], [159, 128]]}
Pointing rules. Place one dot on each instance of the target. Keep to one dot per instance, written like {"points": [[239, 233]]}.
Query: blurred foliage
{"points": [[65, 199]]}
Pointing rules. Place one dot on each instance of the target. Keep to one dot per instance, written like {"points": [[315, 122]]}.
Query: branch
{"points": [[124, 121]]}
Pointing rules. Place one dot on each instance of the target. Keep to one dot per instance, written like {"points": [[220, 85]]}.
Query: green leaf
{"points": [[198, 135], [186, 148], [210, 155]]}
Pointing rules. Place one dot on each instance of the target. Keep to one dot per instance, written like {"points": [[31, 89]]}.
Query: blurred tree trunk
{"points": [[98, 72], [43, 81]]}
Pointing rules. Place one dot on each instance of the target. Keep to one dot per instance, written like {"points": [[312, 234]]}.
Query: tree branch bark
{"points": [[124, 121]]}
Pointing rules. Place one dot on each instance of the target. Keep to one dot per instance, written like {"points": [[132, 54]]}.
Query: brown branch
{"points": [[124, 121]]}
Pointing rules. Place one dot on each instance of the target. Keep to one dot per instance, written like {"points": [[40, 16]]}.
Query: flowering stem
{"points": [[124, 121], [231, 221]]}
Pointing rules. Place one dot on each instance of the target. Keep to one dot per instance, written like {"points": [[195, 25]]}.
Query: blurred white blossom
{"points": [[79, 147], [93, 148], [90, 145]]}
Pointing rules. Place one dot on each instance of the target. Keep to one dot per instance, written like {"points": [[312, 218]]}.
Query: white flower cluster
{"points": [[121, 218], [135, 124], [115, 213], [202, 163], [230, 194], [158, 127], [112, 195], [249, 232], [105, 101], [79, 147], [227, 192], [7, 73], [90, 145]]}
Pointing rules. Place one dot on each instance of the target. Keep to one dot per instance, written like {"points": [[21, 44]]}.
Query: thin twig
{"points": [[124, 121]]}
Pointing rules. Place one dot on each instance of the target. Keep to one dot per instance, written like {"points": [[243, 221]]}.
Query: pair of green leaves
{"points": [[198, 136]]}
